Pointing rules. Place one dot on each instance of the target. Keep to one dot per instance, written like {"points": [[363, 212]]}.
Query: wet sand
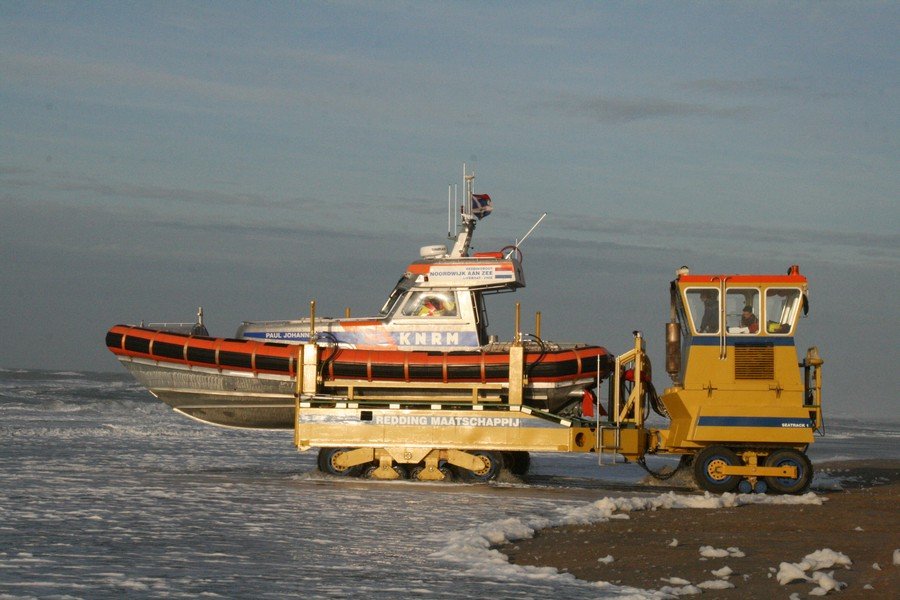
{"points": [[861, 521]]}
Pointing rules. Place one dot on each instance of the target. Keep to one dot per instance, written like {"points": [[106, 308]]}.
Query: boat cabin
{"points": [[437, 305]]}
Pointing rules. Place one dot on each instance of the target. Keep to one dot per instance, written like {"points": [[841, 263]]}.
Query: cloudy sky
{"points": [[250, 157]]}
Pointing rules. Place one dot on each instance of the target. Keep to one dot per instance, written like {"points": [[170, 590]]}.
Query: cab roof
{"points": [[793, 276]]}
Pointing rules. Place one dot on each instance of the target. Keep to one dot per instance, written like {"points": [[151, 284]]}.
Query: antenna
{"points": [[452, 214], [449, 211], [465, 208], [469, 181], [466, 218], [533, 227], [455, 204]]}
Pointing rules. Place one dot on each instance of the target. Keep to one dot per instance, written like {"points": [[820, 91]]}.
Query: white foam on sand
{"points": [[825, 559], [473, 549], [710, 552], [715, 584], [816, 562], [826, 582], [687, 590], [723, 573]]}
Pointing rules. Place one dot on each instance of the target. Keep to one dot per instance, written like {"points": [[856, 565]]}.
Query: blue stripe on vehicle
{"points": [[781, 422], [402, 339]]}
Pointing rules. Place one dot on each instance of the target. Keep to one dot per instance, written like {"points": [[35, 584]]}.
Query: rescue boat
{"points": [[246, 383], [429, 342]]}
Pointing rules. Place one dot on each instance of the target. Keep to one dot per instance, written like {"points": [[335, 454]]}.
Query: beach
{"points": [[673, 549], [108, 493]]}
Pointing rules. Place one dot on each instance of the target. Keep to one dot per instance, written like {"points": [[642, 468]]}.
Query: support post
{"points": [[298, 385], [517, 335], [517, 364], [309, 384]]}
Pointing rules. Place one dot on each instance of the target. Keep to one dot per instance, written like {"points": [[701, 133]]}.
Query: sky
{"points": [[251, 157]]}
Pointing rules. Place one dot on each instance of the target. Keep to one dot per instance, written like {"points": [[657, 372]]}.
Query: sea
{"points": [[106, 492]]}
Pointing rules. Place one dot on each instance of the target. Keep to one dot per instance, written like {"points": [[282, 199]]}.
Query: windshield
{"points": [[430, 304], [742, 311], [399, 290]]}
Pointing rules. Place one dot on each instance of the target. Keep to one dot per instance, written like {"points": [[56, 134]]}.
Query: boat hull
{"points": [[228, 399], [248, 384]]}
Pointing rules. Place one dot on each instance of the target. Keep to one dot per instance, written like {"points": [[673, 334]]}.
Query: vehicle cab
{"points": [[732, 357]]}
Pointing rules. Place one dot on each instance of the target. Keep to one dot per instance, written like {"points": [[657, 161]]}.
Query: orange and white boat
{"points": [[429, 342]]}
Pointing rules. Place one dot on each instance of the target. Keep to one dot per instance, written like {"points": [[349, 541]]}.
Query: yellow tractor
{"points": [[742, 408]]}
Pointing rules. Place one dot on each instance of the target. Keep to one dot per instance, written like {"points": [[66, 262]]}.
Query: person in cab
{"points": [[433, 306], [749, 320]]}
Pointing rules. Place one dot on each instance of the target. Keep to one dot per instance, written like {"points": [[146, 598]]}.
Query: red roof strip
{"points": [[795, 279]]}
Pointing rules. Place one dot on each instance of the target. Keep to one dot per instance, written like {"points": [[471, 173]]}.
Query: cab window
{"points": [[430, 304], [781, 310], [703, 304], [742, 311], [403, 286]]}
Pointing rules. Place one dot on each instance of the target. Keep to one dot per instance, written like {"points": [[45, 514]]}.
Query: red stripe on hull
{"points": [[389, 365]]}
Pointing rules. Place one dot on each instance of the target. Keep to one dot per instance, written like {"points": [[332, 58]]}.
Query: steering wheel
{"points": [[508, 251]]}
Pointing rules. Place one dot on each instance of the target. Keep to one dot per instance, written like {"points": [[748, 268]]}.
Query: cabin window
{"points": [[399, 290], [703, 304], [742, 311], [481, 317], [430, 304], [781, 310]]}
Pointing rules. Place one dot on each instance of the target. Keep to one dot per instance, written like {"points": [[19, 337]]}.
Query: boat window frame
{"points": [[479, 310], [401, 289]]}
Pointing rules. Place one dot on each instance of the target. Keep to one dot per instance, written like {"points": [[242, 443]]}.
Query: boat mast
{"points": [[464, 235]]}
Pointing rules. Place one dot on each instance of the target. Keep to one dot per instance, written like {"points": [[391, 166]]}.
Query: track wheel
{"points": [[706, 469], [445, 470], [327, 458], [790, 458], [517, 462], [371, 471], [493, 462]]}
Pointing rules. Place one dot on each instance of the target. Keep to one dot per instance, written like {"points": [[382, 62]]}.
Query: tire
{"points": [[786, 485], [704, 470], [493, 462], [326, 463], [518, 463]]}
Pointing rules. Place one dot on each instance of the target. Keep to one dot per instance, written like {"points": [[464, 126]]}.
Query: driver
{"points": [[434, 306], [749, 320]]}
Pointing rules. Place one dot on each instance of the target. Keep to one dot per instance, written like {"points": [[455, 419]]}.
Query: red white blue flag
{"points": [[481, 205]]}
